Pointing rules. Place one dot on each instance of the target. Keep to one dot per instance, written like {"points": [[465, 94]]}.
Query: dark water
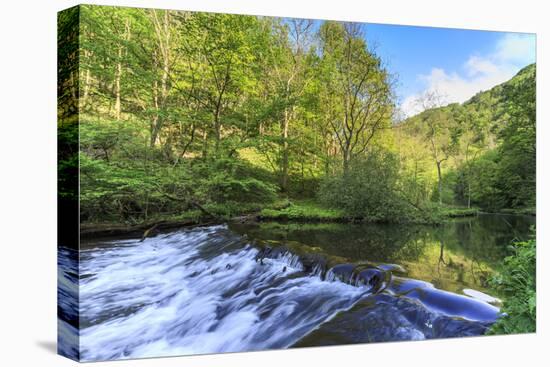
{"points": [[461, 253], [267, 286]]}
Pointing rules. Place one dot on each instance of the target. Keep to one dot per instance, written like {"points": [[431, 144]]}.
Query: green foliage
{"points": [[505, 176], [370, 189], [130, 191], [517, 166], [230, 180], [449, 188], [440, 213], [180, 110], [517, 283], [302, 211], [487, 146], [480, 179]]}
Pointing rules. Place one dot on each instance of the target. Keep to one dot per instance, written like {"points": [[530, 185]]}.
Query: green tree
{"points": [[441, 132], [357, 87]]}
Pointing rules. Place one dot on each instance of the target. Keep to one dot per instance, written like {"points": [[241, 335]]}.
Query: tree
{"points": [[356, 86], [224, 43], [474, 129], [441, 132], [290, 65], [517, 176], [182, 108]]}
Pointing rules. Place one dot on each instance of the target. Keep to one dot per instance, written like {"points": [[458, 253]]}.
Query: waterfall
{"points": [[198, 291]]}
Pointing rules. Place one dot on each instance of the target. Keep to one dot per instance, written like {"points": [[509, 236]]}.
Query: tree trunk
{"points": [[163, 53], [117, 83], [154, 122], [284, 160], [204, 144], [439, 183], [86, 87], [469, 194], [346, 159], [118, 73], [218, 132]]}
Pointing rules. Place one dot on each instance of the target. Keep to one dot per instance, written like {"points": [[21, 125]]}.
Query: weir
{"points": [[211, 290]]}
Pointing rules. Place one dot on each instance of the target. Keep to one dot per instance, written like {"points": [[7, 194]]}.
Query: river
{"points": [[244, 287]]}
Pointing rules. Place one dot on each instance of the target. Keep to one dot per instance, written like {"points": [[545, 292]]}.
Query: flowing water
{"points": [[268, 286]]}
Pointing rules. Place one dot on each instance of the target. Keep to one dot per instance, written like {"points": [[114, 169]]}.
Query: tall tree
{"points": [[441, 133], [225, 44], [355, 79], [289, 61]]}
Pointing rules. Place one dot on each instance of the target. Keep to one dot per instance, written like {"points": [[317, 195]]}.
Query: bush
{"points": [[369, 190], [301, 211], [129, 191], [517, 283], [229, 180]]}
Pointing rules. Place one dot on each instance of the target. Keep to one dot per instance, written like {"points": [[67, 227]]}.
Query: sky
{"points": [[455, 63]]}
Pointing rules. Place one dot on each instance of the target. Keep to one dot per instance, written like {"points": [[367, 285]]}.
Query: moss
{"points": [[435, 213], [459, 212], [302, 210]]}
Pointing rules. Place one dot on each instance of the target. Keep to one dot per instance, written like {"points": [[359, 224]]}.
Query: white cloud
{"points": [[516, 48], [511, 52], [478, 65]]}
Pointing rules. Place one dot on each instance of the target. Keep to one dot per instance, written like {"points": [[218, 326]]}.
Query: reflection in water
{"points": [[193, 292], [457, 254], [217, 289]]}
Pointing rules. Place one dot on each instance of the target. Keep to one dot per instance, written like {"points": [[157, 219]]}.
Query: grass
{"points": [[303, 210], [434, 213], [299, 211], [458, 212], [520, 211], [311, 211], [231, 209]]}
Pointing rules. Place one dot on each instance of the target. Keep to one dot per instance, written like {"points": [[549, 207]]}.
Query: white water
{"points": [[197, 292]]}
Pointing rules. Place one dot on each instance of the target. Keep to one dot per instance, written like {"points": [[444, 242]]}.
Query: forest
{"points": [[186, 116]]}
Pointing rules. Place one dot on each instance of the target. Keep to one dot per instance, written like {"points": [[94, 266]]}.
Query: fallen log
{"points": [[143, 230], [148, 231], [193, 203]]}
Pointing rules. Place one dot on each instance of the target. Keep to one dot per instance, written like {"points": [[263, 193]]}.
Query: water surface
{"points": [[458, 254], [242, 287]]}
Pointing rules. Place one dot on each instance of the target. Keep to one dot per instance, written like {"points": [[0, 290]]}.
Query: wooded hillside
{"points": [[183, 114]]}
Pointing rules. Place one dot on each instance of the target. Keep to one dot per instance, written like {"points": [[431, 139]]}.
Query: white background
{"points": [[28, 181]]}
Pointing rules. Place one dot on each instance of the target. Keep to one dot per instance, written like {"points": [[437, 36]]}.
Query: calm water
{"points": [[254, 287], [458, 254]]}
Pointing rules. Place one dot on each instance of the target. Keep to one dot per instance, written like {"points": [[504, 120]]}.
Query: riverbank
{"points": [[284, 210], [304, 211], [518, 211], [310, 211]]}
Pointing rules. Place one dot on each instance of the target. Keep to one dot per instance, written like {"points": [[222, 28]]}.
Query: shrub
{"points": [[369, 189], [517, 283], [229, 180]]}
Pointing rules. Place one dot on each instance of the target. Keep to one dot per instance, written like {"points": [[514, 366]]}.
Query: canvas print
{"points": [[234, 183]]}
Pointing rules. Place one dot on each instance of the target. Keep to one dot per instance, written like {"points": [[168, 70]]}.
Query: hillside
{"points": [[186, 124], [494, 130]]}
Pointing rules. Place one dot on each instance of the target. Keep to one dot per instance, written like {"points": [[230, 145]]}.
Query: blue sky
{"points": [[455, 63]]}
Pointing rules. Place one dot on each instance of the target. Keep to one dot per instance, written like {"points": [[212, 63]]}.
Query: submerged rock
{"points": [[394, 308], [383, 318], [342, 272]]}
